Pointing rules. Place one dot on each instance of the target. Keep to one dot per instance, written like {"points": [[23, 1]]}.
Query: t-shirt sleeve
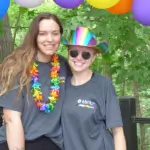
{"points": [[113, 113], [10, 100]]}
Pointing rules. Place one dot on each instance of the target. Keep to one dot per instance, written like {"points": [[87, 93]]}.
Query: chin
{"points": [[50, 53], [78, 69]]}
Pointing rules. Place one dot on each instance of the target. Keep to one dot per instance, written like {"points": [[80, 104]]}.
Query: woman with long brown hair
{"points": [[32, 79]]}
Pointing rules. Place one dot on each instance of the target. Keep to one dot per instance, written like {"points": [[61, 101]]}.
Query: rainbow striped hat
{"points": [[84, 37]]}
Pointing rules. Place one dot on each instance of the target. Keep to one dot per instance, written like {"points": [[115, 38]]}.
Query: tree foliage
{"points": [[127, 61]]}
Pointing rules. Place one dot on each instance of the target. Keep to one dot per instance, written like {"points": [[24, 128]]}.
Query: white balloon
{"points": [[29, 3]]}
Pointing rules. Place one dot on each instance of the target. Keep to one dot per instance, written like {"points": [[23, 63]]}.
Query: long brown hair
{"points": [[16, 67]]}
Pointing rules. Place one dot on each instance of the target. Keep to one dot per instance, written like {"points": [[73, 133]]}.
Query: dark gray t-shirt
{"points": [[89, 111], [37, 123]]}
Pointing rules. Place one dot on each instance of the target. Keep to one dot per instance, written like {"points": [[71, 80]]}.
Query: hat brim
{"points": [[102, 47]]}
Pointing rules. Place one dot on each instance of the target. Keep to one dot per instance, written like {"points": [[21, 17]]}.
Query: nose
{"points": [[49, 37], [79, 57]]}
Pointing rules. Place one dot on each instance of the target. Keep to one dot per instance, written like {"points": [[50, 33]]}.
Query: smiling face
{"points": [[48, 39], [80, 58]]}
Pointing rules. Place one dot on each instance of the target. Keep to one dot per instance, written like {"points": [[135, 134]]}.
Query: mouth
{"points": [[49, 46], [79, 64]]}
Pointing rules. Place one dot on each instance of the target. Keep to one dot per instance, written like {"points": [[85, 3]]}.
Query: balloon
{"points": [[29, 3], [141, 11], [4, 5], [124, 6], [102, 4], [69, 3]]}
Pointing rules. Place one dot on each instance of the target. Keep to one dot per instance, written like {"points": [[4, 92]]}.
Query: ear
{"points": [[68, 47], [94, 56]]}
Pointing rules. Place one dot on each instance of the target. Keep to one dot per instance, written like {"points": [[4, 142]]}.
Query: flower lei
{"points": [[48, 106]]}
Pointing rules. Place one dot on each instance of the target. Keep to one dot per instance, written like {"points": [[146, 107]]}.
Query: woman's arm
{"points": [[14, 130], [119, 138]]}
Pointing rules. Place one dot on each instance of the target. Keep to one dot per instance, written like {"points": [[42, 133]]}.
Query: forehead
{"points": [[48, 25], [81, 48]]}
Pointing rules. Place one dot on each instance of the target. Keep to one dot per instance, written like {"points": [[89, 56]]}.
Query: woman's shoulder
{"points": [[64, 64], [62, 58], [104, 83], [102, 79], [15, 86]]}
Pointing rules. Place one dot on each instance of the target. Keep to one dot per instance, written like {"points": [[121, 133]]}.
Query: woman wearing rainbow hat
{"points": [[91, 107]]}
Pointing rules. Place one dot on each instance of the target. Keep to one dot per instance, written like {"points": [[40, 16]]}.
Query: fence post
{"points": [[1, 120], [128, 110]]}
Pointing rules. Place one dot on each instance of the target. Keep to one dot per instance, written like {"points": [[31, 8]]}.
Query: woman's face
{"points": [[48, 39], [80, 58]]}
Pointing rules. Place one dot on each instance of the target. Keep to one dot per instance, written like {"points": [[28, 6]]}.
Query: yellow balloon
{"points": [[102, 4]]}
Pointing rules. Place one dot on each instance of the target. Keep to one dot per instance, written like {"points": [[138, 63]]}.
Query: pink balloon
{"points": [[141, 11]]}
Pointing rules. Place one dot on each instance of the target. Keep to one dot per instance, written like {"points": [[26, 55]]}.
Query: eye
{"points": [[56, 33], [86, 55], [42, 33], [73, 53]]}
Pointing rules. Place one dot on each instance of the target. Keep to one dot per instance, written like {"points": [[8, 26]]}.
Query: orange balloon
{"points": [[124, 6]]}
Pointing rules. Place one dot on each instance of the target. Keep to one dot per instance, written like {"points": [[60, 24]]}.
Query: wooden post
{"points": [[1, 119], [128, 111]]}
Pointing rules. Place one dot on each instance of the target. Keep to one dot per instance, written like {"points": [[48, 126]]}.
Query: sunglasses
{"points": [[75, 53]]}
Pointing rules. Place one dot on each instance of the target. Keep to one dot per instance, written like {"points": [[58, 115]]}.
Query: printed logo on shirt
{"points": [[62, 79], [86, 103]]}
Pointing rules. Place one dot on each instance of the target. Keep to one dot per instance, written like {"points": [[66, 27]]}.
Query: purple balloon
{"points": [[69, 3], [141, 11]]}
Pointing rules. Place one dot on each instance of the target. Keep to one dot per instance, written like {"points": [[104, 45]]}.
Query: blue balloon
{"points": [[4, 5]]}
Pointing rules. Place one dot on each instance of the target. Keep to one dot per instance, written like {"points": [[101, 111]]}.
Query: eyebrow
{"points": [[46, 31]]}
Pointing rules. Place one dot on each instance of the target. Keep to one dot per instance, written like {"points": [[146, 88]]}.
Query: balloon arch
{"points": [[140, 8]]}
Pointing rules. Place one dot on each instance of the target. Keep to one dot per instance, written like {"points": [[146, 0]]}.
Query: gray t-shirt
{"points": [[36, 123], [89, 111]]}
